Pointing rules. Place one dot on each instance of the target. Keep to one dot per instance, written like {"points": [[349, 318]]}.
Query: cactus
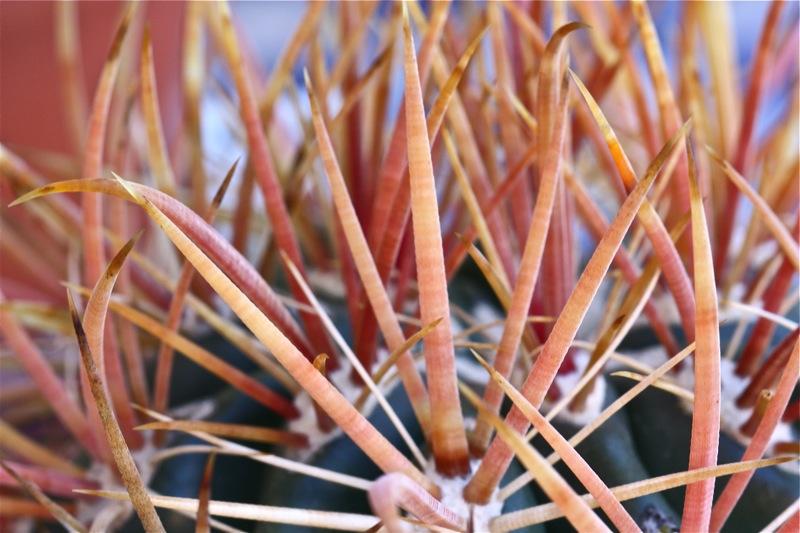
{"points": [[472, 267]]}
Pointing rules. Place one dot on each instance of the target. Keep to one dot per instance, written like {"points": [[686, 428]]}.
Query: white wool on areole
{"points": [[452, 497], [306, 423], [732, 417], [105, 476], [593, 405], [99, 510]]}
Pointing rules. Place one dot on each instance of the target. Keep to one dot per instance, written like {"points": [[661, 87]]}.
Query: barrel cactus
{"points": [[446, 266]]}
